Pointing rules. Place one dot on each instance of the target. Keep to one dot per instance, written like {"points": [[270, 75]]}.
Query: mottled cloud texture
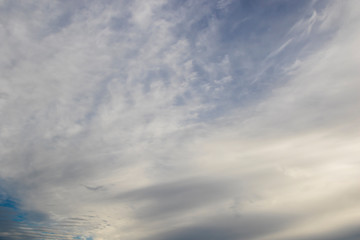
{"points": [[180, 120]]}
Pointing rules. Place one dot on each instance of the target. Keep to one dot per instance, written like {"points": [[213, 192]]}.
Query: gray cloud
{"points": [[179, 119], [351, 233], [230, 227], [174, 198]]}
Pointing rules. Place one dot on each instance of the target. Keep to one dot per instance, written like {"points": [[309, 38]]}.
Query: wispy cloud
{"points": [[179, 120]]}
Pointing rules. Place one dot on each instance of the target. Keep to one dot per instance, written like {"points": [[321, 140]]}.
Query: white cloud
{"points": [[103, 123]]}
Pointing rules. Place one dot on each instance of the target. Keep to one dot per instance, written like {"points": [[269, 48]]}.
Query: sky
{"points": [[180, 120]]}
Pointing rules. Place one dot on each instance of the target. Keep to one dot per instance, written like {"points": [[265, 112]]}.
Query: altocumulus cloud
{"points": [[179, 120]]}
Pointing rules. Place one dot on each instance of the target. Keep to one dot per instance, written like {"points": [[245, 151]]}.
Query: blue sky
{"points": [[179, 120]]}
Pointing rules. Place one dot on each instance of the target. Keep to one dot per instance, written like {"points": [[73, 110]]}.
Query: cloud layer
{"points": [[179, 120]]}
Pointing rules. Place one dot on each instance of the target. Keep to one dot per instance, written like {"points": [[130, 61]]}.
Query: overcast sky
{"points": [[180, 120]]}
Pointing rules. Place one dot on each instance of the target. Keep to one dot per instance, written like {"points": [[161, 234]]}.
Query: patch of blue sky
{"points": [[13, 208], [83, 238], [14, 218], [9, 203], [17, 215], [255, 36], [238, 34]]}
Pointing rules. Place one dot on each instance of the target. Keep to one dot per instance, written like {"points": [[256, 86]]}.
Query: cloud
{"points": [[229, 227], [174, 198], [179, 120]]}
